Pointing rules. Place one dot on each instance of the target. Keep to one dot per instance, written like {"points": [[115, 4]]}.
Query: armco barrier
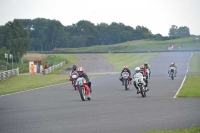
{"points": [[6, 74], [54, 67]]}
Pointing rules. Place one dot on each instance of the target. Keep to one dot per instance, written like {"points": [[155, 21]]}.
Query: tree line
{"points": [[42, 34]]}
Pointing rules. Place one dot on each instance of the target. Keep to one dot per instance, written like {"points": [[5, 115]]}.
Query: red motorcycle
{"points": [[80, 84], [126, 79]]}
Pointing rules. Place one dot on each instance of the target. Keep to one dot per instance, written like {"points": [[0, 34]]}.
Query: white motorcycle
{"points": [[140, 83], [74, 77]]}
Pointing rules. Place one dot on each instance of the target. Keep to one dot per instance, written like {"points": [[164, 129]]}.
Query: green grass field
{"points": [[191, 87], [131, 60], [140, 45]]}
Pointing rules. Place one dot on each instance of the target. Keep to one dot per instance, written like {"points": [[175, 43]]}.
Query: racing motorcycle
{"points": [[74, 77], [80, 86], [171, 72], [148, 74], [126, 79], [139, 80]]}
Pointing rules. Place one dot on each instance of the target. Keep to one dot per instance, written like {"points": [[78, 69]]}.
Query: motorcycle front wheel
{"points": [[172, 76], [142, 91], [126, 84], [82, 93]]}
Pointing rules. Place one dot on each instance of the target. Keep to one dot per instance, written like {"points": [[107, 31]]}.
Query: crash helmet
{"points": [[126, 68], [80, 69], [146, 63], [137, 69], [141, 67], [74, 67]]}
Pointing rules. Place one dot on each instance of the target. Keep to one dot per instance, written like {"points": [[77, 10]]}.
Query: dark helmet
{"points": [[146, 63], [74, 67]]}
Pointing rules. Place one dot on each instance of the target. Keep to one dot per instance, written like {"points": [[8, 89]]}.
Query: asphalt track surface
{"points": [[59, 109]]}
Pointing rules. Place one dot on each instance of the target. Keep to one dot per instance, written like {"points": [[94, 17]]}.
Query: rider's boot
{"points": [[137, 88], [138, 91], [146, 89]]}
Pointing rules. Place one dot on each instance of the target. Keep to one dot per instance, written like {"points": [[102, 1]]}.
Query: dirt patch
{"points": [[92, 63], [30, 57]]}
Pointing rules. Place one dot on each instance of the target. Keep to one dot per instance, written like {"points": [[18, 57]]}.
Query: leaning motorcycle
{"points": [[148, 74], [140, 85], [126, 79], [171, 72], [82, 90], [74, 77]]}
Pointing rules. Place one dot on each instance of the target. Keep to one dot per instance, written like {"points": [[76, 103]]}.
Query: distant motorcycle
{"points": [[141, 85], [172, 72], [74, 77], [80, 86], [126, 79]]}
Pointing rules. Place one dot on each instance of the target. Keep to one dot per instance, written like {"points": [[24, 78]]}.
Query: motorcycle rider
{"points": [[138, 73], [143, 70], [81, 73], [173, 64], [147, 66], [125, 69], [74, 68]]}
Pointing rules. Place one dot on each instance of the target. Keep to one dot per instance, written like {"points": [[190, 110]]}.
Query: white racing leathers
{"points": [[138, 79]]}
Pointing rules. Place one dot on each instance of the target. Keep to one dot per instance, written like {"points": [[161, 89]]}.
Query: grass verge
{"points": [[189, 130], [191, 86], [140, 45]]}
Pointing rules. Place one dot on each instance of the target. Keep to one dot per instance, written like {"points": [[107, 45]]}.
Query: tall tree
{"points": [[173, 31], [183, 31], [17, 39]]}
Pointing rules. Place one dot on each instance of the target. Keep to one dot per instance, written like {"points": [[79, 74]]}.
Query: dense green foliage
{"points": [[49, 34], [182, 31], [42, 34], [14, 39]]}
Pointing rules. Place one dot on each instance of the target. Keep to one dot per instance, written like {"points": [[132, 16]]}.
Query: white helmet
{"points": [[137, 69]]}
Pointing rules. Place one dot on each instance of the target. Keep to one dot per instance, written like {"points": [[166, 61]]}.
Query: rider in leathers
{"points": [[84, 75], [173, 65], [125, 69], [138, 73], [147, 66]]}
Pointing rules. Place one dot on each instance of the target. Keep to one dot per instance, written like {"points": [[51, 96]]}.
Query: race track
{"points": [[59, 109]]}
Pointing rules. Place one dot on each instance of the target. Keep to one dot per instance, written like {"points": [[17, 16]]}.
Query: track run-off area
{"points": [[112, 109]]}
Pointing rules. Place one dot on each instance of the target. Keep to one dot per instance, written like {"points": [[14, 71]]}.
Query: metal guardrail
{"points": [[54, 67], [6, 74]]}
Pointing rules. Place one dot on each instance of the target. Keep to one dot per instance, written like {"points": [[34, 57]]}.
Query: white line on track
{"points": [[184, 77]]}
